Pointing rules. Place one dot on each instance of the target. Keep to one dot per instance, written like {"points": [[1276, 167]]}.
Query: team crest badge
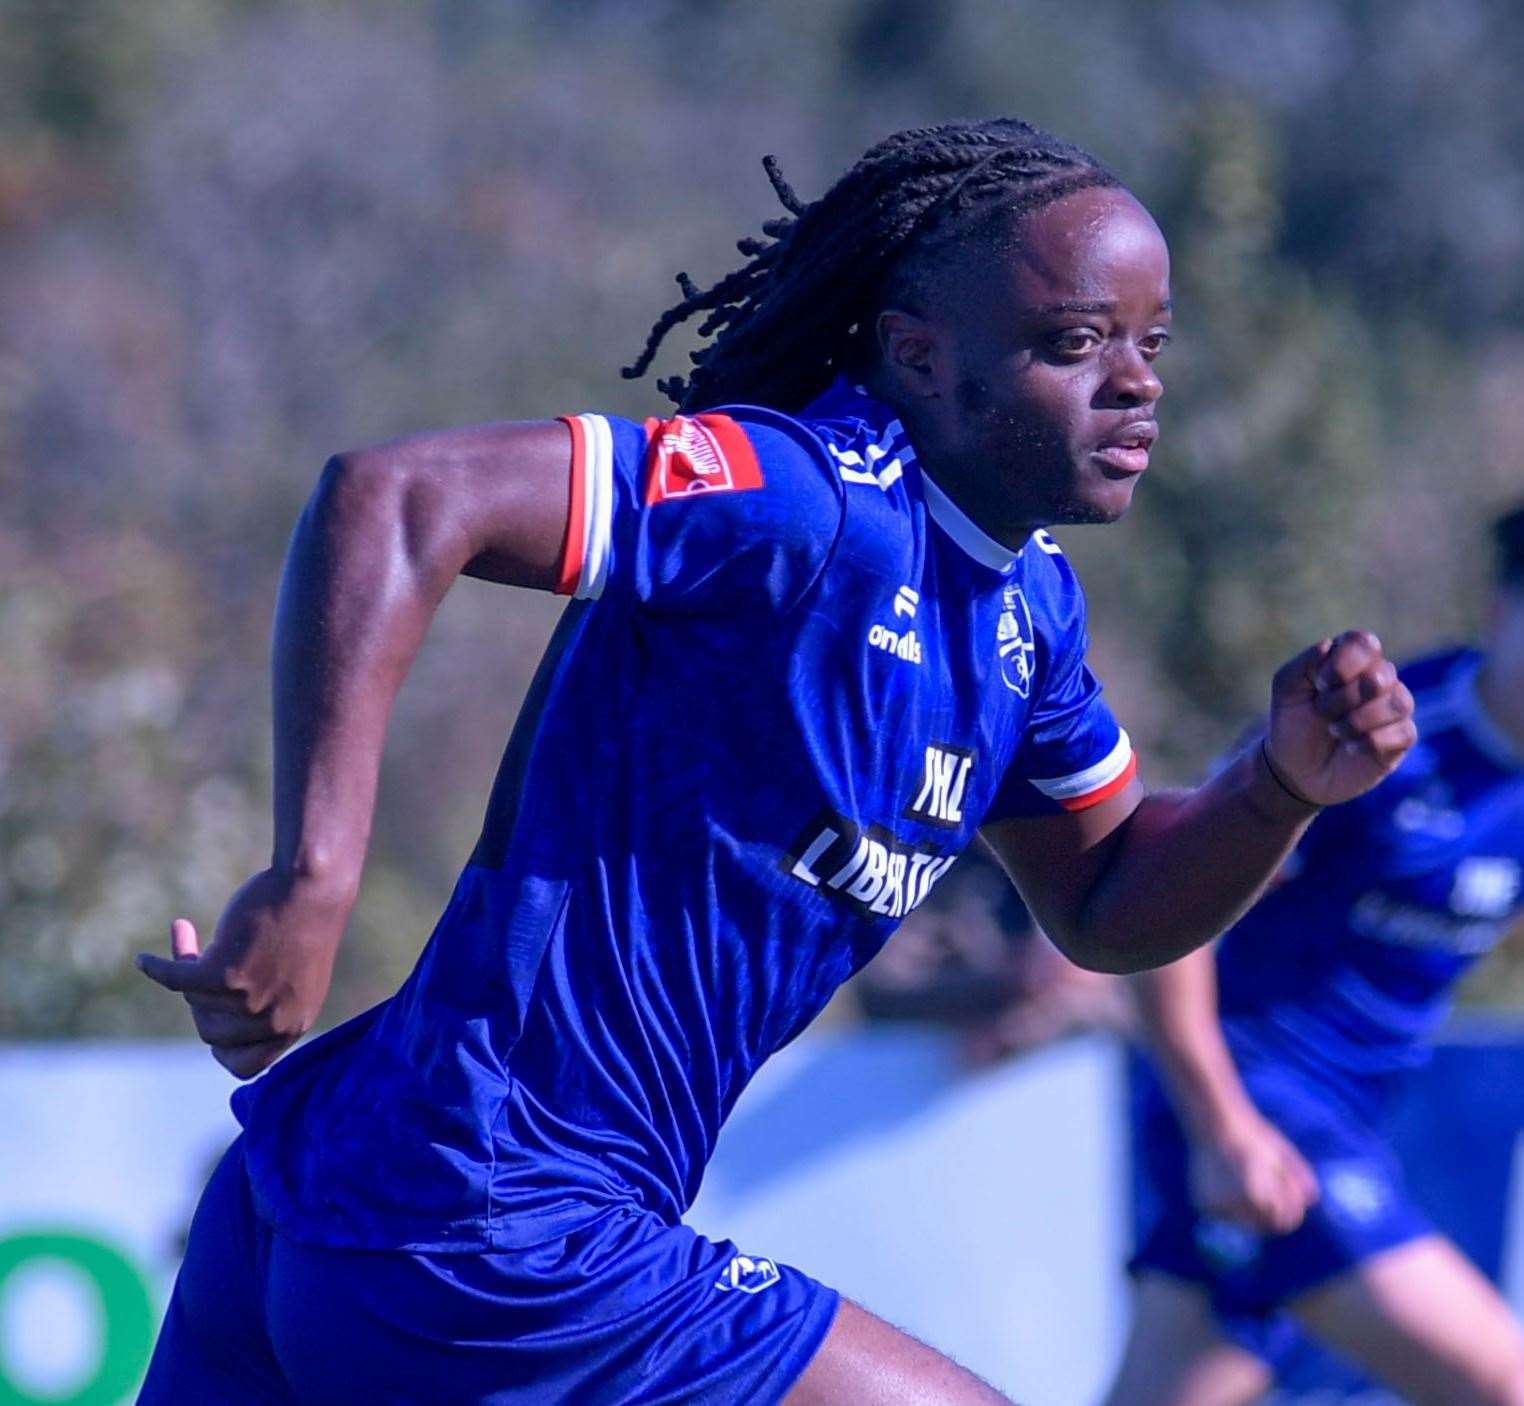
{"points": [[1014, 644], [698, 454]]}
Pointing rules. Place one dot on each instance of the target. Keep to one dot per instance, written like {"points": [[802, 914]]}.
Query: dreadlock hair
{"points": [[782, 325]]}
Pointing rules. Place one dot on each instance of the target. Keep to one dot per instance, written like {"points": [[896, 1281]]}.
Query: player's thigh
{"points": [[865, 1361], [1176, 1355], [1422, 1318]]}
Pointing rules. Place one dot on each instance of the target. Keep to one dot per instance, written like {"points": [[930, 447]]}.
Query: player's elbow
{"points": [[359, 483], [379, 499], [1118, 950]]}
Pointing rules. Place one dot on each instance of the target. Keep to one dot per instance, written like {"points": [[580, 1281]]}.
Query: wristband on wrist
{"points": [[1286, 786]]}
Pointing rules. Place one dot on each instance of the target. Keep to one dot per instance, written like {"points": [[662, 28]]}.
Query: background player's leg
{"points": [[1423, 1319], [865, 1361], [1177, 1356]]}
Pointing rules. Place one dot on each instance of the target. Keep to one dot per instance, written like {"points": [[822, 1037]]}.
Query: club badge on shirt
{"points": [[1014, 642]]}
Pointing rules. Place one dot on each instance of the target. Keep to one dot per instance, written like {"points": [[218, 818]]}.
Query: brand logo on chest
{"points": [[901, 644]]}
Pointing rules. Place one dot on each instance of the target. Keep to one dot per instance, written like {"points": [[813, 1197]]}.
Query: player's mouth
{"points": [[1124, 452]]}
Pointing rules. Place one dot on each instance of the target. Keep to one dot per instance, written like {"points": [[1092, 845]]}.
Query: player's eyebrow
{"points": [[1100, 309], [1052, 309]]}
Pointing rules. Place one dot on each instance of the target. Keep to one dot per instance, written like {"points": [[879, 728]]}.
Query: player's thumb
{"points": [[182, 939]]}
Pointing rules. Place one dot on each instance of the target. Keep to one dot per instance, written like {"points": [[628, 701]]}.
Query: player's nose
{"points": [[1131, 381]]}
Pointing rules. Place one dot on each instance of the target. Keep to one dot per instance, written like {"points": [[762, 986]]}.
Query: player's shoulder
{"points": [[867, 453], [735, 447], [1051, 586]]}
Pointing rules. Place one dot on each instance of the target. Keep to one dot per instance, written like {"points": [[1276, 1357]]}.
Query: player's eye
{"points": [[1153, 344], [1074, 341]]}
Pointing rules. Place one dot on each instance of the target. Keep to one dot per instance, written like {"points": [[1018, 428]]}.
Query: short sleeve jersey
{"points": [[792, 681], [1346, 967]]}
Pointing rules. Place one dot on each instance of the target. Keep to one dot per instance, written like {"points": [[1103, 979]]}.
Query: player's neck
{"points": [[1500, 690], [963, 483]]}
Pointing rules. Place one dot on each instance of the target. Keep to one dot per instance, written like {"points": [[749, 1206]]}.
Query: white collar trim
{"points": [[964, 530]]}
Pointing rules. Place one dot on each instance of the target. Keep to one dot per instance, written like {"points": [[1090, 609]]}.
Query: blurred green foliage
{"points": [[236, 235]]}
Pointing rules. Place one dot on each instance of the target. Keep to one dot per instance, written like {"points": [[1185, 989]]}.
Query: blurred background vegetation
{"points": [[237, 235]]}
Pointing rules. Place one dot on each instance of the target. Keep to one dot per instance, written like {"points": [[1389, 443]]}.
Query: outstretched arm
{"points": [[379, 543], [1242, 1167], [1140, 880]]}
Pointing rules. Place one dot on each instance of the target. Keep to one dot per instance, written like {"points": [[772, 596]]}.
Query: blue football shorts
{"points": [[626, 1309], [1363, 1209]]}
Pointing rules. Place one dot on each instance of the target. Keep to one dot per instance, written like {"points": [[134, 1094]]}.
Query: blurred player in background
{"points": [[1269, 1205], [816, 640]]}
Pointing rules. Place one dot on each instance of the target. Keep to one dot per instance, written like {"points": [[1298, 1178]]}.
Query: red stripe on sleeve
{"points": [[1106, 792], [576, 518]]}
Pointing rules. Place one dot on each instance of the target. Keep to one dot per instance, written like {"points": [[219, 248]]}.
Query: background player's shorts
{"points": [[625, 1309], [1363, 1209]]}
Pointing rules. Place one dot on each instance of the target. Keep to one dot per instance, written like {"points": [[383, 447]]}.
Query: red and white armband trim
{"points": [[590, 521], [1096, 783]]}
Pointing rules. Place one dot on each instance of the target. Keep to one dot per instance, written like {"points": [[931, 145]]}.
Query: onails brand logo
{"points": [[698, 454]]}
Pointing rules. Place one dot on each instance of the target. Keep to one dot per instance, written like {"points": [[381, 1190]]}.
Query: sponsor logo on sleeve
{"points": [[691, 454]]}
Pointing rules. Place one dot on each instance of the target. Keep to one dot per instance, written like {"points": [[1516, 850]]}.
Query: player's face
{"points": [[1051, 362]]}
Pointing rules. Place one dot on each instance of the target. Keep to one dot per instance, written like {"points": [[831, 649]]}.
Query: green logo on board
{"points": [[124, 1309]]}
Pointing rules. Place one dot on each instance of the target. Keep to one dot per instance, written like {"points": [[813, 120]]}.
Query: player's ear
{"points": [[911, 352]]}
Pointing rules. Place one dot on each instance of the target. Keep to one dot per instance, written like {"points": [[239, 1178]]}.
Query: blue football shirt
{"points": [[1346, 968], [793, 680]]}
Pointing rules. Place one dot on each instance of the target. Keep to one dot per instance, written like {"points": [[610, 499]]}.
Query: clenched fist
{"points": [[1340, 720]]}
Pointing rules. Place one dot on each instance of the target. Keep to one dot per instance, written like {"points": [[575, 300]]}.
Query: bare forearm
{"points": [[1186, 866], [1177, 1007], [357, 595]]}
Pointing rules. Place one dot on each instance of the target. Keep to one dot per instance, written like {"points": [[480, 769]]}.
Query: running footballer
{"points": [[818, 639]]}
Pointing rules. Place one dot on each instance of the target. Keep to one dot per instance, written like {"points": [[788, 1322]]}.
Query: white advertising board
{"points": [[980, 1211]]}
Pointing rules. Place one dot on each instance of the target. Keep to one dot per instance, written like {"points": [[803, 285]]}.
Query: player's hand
{"points": [[1340, 719], [260, 984], [1253, 1175]]}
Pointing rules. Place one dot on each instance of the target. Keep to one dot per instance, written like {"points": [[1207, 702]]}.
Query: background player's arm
{"points": [[383, 537], [1140, 880], [1242, 1166]]}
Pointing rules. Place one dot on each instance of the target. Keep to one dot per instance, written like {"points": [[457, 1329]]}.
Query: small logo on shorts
{"points": [[749, 1275], [1355, 1189], [1226, 1245]]}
